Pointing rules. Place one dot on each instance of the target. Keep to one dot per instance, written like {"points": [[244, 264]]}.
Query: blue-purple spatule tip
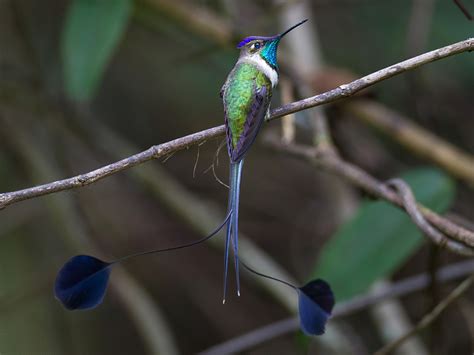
{"points": [[316, 301], [82, 282]]}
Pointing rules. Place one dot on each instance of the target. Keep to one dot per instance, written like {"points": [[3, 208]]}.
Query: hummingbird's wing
{"points": [[253, 122]]}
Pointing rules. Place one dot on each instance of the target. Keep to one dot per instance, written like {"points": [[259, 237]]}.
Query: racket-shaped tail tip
{"points": [[82, 282], [316, 301]]}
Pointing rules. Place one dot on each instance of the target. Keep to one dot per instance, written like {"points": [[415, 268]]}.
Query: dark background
{"points": [[161, 82]]}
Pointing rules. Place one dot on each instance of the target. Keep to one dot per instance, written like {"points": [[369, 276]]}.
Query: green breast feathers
{"points": [[246, 94]]}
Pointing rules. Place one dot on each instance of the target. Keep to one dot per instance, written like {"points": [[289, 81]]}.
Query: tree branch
{"points": [[355, 86], [332, 163], [463, 9], [411, 207], [164, 149]]}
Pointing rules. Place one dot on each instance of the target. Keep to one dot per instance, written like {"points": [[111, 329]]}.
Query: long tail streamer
{"points": [[232, 233]]}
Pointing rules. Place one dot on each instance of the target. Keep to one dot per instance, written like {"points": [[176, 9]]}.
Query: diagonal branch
{"points": [[355, 86], [164, 149], [358, 177], [463, 9], [411, 207]]}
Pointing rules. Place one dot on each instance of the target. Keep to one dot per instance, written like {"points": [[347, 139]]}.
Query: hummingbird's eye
{"points": [[255, 46]]}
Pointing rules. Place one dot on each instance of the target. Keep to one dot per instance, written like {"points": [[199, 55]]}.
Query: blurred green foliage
{"points": [[380, 237], [91, 32]]}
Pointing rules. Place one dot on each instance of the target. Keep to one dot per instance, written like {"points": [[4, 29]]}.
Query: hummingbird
{"points": [[246, 95], [82, 281]]}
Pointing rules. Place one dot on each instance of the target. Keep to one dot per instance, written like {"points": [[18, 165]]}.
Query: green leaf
{"points": [[380, 237], [91, 32]]}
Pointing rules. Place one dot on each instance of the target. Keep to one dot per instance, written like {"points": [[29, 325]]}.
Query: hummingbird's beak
{"points": [[292, 28]]}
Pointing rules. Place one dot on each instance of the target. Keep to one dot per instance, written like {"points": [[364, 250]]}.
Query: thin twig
{"points": [[430, 317], [411, 207], [197, 161], [215, 162], [164, 149], [350, 89], [464, 10], [397, 289]]}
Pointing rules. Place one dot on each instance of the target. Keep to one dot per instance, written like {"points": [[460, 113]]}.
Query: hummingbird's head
{"points": [[264, 47]]}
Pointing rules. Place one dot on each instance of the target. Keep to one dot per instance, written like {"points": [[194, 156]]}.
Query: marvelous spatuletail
{"points": [[246, 95], [82, 282]]}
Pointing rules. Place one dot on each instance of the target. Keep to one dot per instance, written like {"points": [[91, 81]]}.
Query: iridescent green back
{"points": [[239, 93]]}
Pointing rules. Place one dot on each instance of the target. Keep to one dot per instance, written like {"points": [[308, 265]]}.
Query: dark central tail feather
{"points": [[232, 233]]}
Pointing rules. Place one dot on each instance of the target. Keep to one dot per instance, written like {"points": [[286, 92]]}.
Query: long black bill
{"points": [[292, 28]]}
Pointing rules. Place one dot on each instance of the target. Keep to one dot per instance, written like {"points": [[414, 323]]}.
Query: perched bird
{"points": [[246, 95], [82, 281]]}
